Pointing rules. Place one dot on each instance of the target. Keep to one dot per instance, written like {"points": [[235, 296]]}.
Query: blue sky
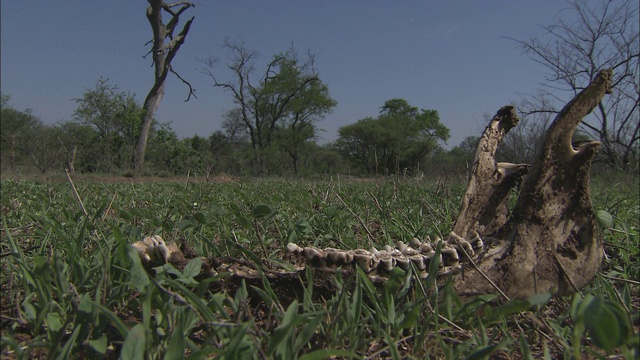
{"points": [[450, 56]]}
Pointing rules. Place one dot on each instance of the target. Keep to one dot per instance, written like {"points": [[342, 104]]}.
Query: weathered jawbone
{"points": [[547, 243]]}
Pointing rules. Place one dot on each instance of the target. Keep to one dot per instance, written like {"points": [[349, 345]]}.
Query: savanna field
{"points": [[71, 287]]}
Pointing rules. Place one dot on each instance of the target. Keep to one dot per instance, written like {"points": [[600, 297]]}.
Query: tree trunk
{"points": [[151, 104], [162, 55]]}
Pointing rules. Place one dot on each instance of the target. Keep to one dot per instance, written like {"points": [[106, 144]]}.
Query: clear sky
{"points": [[450, 56]]}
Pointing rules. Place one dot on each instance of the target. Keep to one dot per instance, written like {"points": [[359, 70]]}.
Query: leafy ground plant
{"points": [[72, 288]]}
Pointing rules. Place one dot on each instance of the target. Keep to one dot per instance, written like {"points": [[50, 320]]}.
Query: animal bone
{"points": [[153, 251], [548, 243]]}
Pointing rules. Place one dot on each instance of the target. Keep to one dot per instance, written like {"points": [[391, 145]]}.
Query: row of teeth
{"points": [[381, 262]]}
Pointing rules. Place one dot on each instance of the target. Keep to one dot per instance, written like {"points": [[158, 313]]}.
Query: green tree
{"points": [[82, 145], [396, 141], [288, 96], [359, 143], [45, 150], [325, 160], [16, 133], [467, 149], [169, 154], [295, 141], [117, 119], [230, 150], [26, 141]]}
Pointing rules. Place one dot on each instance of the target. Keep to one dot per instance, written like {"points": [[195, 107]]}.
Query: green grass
{"points": [[71, 288]]}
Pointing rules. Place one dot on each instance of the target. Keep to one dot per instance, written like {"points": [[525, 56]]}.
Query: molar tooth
{"points": [[419, 261], [400, 245], [429, 255], [461, 243], [387, 262], [426, 249], [315, 257], [408, 251], [330, 255], [294, 254], [374, 262], [450, 256], [476, 241], [364, 259], [344, 258], [395, 252], [338, 257], [360, 252], [402, 262], [415, 243]]}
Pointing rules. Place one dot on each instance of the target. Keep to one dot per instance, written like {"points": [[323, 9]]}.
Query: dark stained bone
{"points": [[484, 206], [550, 242]]}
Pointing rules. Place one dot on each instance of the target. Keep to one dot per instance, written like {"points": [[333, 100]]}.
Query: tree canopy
{"points": [[116, 117], [279, 107], [398, 139]]}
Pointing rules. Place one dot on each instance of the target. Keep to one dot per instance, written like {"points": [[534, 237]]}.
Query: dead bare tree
{"points": [[596, 36], [165, 46]]}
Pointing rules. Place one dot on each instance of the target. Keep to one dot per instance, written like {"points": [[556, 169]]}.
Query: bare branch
{"points": [[604, 36], [192, 91]]}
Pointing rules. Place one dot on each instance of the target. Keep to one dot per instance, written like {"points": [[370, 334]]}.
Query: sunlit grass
{"points": [[71, 287]]}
